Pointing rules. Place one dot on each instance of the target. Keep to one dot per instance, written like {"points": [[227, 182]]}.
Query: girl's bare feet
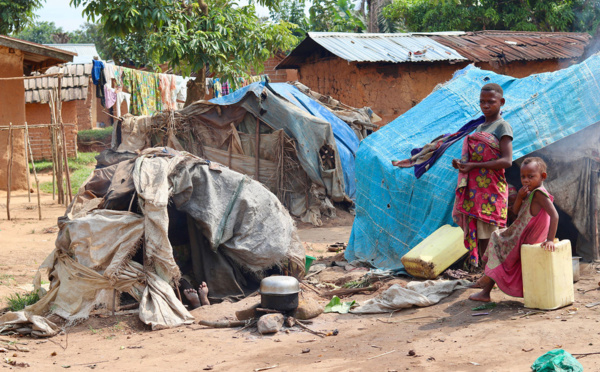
{"points": [[483, 296], [193, 298], [486, 287], [197, 298], [203, 292], [481, 282]]}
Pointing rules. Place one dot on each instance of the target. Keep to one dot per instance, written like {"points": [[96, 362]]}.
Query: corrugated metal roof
{"points": [[85, 52], [393, 48], [508, 46]]}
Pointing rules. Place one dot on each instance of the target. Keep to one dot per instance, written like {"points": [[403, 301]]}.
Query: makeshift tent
{"points": [[140, 224], [306, 154], [395, 210]]}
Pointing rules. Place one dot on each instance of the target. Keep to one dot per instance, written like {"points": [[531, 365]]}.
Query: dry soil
{"points": [[444, 337]]}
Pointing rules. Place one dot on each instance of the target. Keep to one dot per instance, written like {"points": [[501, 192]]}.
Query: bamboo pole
{"points": [[37, 181], [3, 128], [52, 141], [257, 150], [595, 237], [230, 149], [30, 77], [27, 162], [281, 165], [64, 142], [9, 174]]}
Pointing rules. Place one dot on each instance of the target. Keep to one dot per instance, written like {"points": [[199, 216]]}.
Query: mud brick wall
{"points": [[392, 89], [38, 113], [12, 110], [278, 76]]}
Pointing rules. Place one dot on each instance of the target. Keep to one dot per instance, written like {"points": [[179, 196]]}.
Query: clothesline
{"points": [[147, 93], [224, 88]]}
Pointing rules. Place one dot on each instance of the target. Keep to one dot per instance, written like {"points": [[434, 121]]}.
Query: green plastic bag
{"points": [[337, 306], [557, 360]]}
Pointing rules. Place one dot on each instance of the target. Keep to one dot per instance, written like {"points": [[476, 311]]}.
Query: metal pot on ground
{"points": [[279, 293]]}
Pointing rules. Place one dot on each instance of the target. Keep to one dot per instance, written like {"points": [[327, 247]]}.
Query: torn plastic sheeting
{"points": [[420, 294], [346, 140]]}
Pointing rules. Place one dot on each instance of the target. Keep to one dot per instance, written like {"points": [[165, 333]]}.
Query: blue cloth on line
{"points": [[97, 70]]}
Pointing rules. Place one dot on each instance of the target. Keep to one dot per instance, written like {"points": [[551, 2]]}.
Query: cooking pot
{"points": [[279, 293]]}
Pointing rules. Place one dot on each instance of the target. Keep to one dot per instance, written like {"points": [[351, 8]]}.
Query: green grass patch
{"points": [[17, 302], [80, 170], [101, 135]]}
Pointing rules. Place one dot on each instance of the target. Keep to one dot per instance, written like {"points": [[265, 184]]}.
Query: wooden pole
{"points": [[9, 174], [67, 171], [595, 237], [281, 164], [257, 150], [52, 141], [230, 149], [64, 142], [27, 163], [37, 181]]}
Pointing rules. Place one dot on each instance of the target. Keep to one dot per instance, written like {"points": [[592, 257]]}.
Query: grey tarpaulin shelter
{"points": [[298, 156], [142, 222]]}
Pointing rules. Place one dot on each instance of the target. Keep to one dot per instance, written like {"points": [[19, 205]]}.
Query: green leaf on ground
{"points": [[487, 306], [337, 306]]}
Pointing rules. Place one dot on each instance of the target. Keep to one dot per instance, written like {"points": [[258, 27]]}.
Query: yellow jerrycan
{"points": [[547, 276], [436, 253]]}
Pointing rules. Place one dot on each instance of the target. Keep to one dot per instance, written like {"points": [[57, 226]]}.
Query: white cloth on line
{"points": [[120, 97]]}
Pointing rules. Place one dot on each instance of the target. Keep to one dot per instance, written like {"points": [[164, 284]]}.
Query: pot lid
{"points": [[279, 285]]}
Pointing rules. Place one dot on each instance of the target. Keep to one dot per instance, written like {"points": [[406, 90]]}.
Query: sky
{"points": [[62, 14], [70, 18]]}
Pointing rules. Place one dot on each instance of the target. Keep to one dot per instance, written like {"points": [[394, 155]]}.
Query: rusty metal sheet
{"points": [[508, 46]]}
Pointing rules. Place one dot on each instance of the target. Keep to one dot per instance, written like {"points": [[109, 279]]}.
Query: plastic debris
{"points": [[557, 360]]}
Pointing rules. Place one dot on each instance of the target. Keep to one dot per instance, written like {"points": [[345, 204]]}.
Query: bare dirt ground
{"points": [[444, 337]]}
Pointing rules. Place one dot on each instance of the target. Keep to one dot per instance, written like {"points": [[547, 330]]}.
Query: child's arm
{"points": [[523, 192], [547, 205], [503, 162]]}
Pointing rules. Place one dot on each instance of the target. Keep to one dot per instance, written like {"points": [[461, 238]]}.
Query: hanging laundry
{"points": [[225, 88], [110, 96], [97, 68], [167, 85], [181, 90], [217, 88], [109, 73], [122, 96], [99, 79], [144, 89], [208, 85]]}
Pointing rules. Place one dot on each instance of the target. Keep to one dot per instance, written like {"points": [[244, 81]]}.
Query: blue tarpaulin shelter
{"points": [[346, 140], [395, 211]]}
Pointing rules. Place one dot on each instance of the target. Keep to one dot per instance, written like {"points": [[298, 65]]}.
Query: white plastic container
{"points": [[436, 253], [547, 276]]}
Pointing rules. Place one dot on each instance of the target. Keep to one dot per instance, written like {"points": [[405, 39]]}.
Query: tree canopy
{"points": [[221, 34], [515, 15], [15, 15], [324, 15]]}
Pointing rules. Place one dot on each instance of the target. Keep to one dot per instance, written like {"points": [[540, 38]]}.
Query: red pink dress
{"points": [[503, 254]]}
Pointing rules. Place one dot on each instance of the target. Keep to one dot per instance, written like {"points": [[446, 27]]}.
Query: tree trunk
{"points": [[196, 88]]}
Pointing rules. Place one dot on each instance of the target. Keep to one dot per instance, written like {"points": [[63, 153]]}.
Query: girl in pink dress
{"points": [[536, 222]]}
